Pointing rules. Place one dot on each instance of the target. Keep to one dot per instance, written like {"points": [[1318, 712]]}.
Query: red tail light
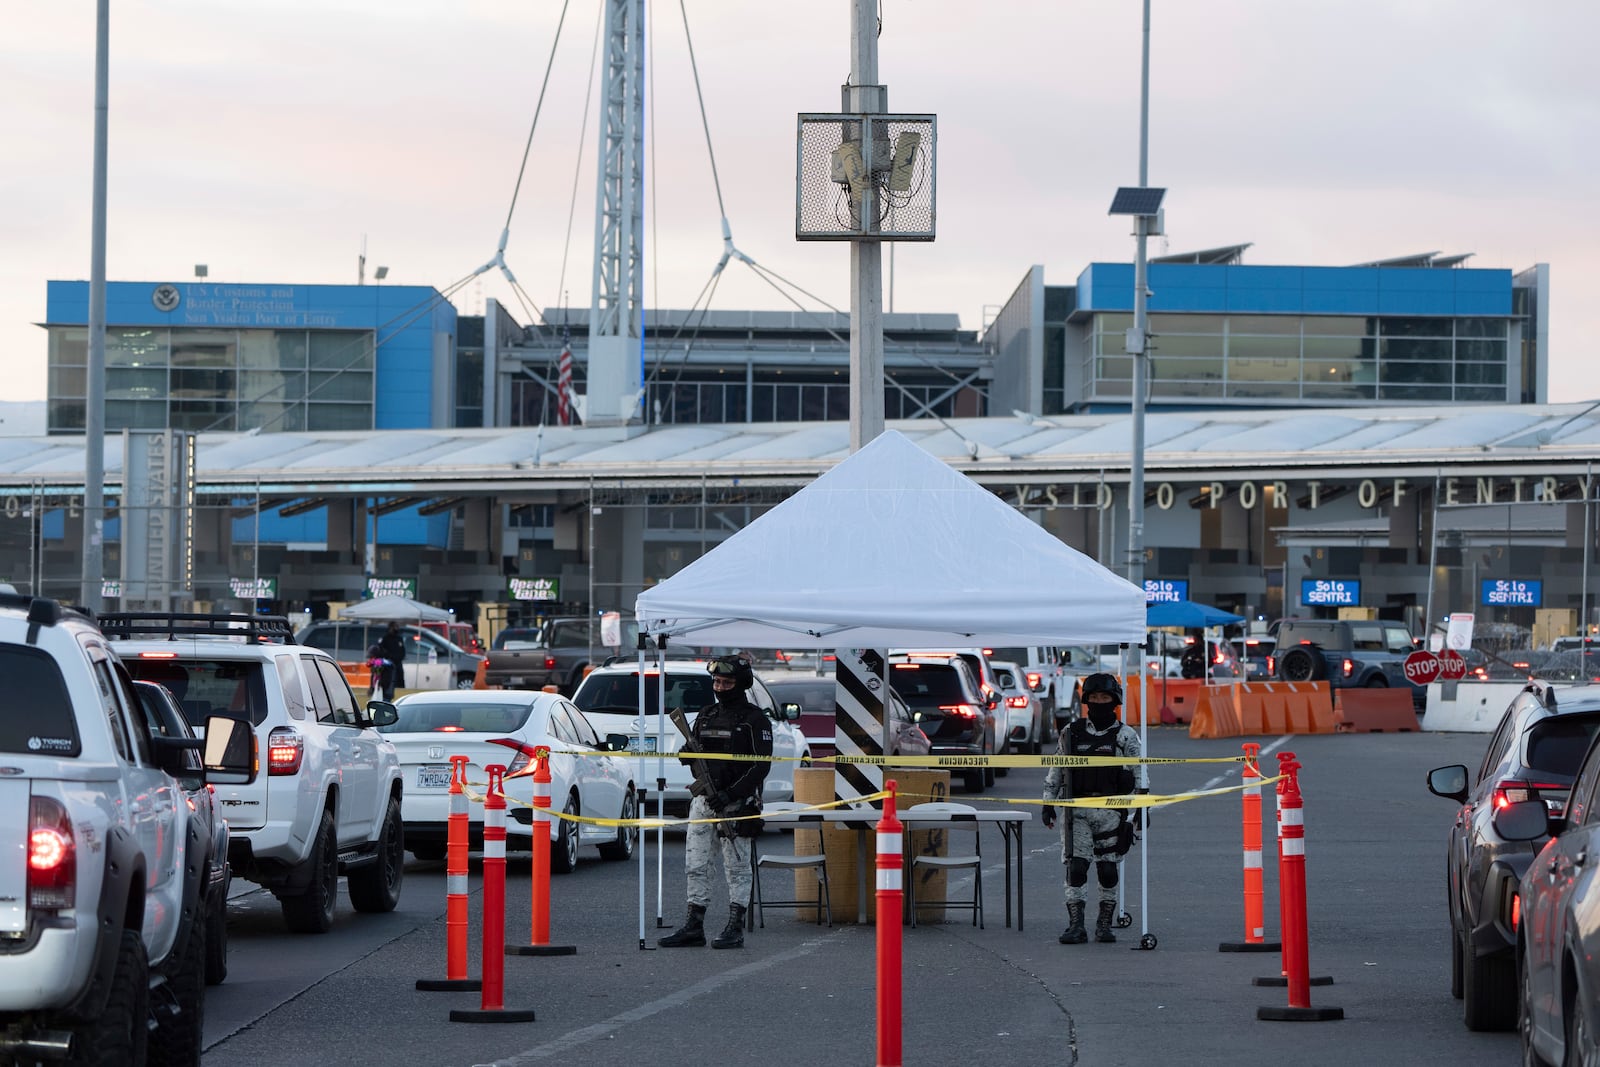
{"points": [[1016, 702], [1349, 667], [1272, 664], [285, 749], [521, 759], [1034, 679], [52, 856], [1516, 910], [549, 663], [965, 711], [1510, 791]]}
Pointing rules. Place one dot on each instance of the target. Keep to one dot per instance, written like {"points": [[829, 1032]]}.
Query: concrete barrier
{"points": [[1468, 706]]}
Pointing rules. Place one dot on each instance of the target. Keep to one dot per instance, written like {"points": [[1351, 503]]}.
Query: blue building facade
{"points": [[1421, 330]]}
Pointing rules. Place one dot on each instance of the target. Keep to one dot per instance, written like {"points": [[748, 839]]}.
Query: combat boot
{"points": [[692, 934], [1102, 925], [732, 935], [1074, 934]]}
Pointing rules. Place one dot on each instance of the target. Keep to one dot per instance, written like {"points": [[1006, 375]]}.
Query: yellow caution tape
{"points": [[648, 823], [1126, 800], [1012, 759]]}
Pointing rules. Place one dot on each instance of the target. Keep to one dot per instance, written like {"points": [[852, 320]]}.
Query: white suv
{"points": [[103, 902], [328, 800], [609, 697]]}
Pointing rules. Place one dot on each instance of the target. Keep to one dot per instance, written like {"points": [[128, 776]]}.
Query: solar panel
{"points": [[1136, 200]]}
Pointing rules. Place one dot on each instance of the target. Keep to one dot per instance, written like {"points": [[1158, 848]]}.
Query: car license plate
{"points": [[514, 681], [649, 744], [433, 777]]}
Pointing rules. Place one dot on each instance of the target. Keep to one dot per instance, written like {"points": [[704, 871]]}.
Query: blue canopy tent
{"points": [[1188, 615]]}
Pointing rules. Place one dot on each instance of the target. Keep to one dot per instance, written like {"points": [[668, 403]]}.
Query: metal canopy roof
{"points": [[1531, 438]]}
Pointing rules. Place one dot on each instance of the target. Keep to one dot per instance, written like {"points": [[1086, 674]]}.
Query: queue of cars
{"points": [[1523, 907]]}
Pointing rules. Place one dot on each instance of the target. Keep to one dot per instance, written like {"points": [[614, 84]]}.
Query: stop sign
{"points": [[1423, 667], [1451, 665]]}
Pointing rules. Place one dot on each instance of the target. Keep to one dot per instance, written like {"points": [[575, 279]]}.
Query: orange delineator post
{"points": [[891, 872], [457, 832], [539, 878], [1292, 889], [494, 911], [1254, 893]]}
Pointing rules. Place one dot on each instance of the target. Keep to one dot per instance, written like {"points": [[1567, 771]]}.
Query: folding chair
{"points": [[818, 863], [963, 818]]}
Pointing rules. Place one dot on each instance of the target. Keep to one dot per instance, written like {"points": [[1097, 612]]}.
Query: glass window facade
{"points": [[217, 379], [1302, 357]]}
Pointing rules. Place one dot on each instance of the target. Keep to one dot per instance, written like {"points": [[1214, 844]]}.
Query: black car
{"points": [[957, 717], [1533, 754], [166, 719]]}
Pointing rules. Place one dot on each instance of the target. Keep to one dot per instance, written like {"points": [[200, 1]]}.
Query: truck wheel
{"points": [[622, 847], [466, 681], [311, 912], [376, 887], [217, 937], [1377, 681], [564, 849], [1301, 665], [120, 1033], [176, 1040]]}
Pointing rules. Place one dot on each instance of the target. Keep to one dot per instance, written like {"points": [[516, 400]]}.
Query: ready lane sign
{"points": [[534, 588], [1157, 591], [1332, 592], [1511, 592]]}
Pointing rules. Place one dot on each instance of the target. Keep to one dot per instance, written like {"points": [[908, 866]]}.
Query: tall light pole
{"points": [[864, 96], [94, 414], [1143, 204]]}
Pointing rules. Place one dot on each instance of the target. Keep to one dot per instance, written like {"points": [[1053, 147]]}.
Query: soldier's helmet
{"points": [[735, 667], [1102, 683]]}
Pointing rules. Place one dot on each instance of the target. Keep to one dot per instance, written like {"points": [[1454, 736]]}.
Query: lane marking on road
{"points": [[577, 1038]]}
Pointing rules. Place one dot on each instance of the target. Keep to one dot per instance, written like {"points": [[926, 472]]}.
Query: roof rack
{"points": [[43, 610], [256, 629]]}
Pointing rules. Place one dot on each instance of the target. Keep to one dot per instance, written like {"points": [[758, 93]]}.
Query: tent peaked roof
{"points": [[893, 548]]}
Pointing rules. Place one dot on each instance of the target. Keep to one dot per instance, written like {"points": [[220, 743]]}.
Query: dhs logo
{"points": [[166, 297]]}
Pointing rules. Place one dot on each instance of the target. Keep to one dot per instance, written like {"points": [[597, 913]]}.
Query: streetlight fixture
{"points": [[380, 274], [201, 270]]}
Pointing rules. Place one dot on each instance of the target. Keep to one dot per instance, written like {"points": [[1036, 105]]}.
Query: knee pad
{"points": [[1107, 872], [1078, 872]]}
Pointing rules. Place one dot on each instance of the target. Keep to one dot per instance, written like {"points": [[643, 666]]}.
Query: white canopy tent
{"points": [[893, 548], [394, 609]]}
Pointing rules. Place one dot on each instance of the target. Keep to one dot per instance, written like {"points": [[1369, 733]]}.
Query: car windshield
{"points": [[926, 685], [619, 693], [205, 687], [1009, 655], [516, 637], [474, 717], [1556, 745], [811, 696]]}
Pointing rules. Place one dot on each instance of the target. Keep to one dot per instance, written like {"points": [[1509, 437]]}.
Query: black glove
{"points": [[1048, 816], [720, 801]]}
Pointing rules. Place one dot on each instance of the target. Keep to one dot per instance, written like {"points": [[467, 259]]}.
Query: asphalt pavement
{"points": [[802, 994]]}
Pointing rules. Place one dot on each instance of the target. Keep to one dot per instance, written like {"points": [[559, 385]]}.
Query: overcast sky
{"points": [[269, 139]]}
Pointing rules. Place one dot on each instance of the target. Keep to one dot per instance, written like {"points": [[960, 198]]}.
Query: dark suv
{"points": [[1533, 755], [957, 716], [1347, 654]]}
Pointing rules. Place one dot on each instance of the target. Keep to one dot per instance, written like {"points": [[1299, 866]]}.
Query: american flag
{"points": [[564, 381]]}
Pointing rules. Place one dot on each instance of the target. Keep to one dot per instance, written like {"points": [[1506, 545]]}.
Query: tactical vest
{"points": [[1096, 781]]}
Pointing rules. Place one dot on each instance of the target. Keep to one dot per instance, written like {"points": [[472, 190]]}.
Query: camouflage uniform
{"points": [[697, 850], [1086, 823]]}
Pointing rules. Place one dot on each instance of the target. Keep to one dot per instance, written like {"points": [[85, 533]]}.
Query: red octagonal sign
{"points": [[1451, 664], [1423, 667]]}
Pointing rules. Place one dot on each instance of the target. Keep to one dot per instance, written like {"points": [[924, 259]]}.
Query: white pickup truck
{"points": [[103, 902]]}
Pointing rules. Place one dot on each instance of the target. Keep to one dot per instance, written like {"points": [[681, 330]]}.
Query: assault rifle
{"points": [[702, 785]]}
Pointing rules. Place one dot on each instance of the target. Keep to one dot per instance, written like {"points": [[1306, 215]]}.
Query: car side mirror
{"points": [[1449, 782], [1526, 820], [991, 703], [791, 712], [382, 713], [617, 742], [170, 754], [229, 754]]}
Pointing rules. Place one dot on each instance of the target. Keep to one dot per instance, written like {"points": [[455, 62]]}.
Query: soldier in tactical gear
{"points": [[732, 788], [1099, 835]]}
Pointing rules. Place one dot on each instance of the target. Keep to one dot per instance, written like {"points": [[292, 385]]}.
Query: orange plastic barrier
{"points": [[1179, 698], [1256, 708], [359, 675], [1374, 711]]}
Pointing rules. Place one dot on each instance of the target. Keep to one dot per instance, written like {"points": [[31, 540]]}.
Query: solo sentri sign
{"points": [[1330, 592], [1511, 592], [1158, 591]]}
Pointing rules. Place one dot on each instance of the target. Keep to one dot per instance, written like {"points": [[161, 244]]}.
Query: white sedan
{"points": [[506, 726]]}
